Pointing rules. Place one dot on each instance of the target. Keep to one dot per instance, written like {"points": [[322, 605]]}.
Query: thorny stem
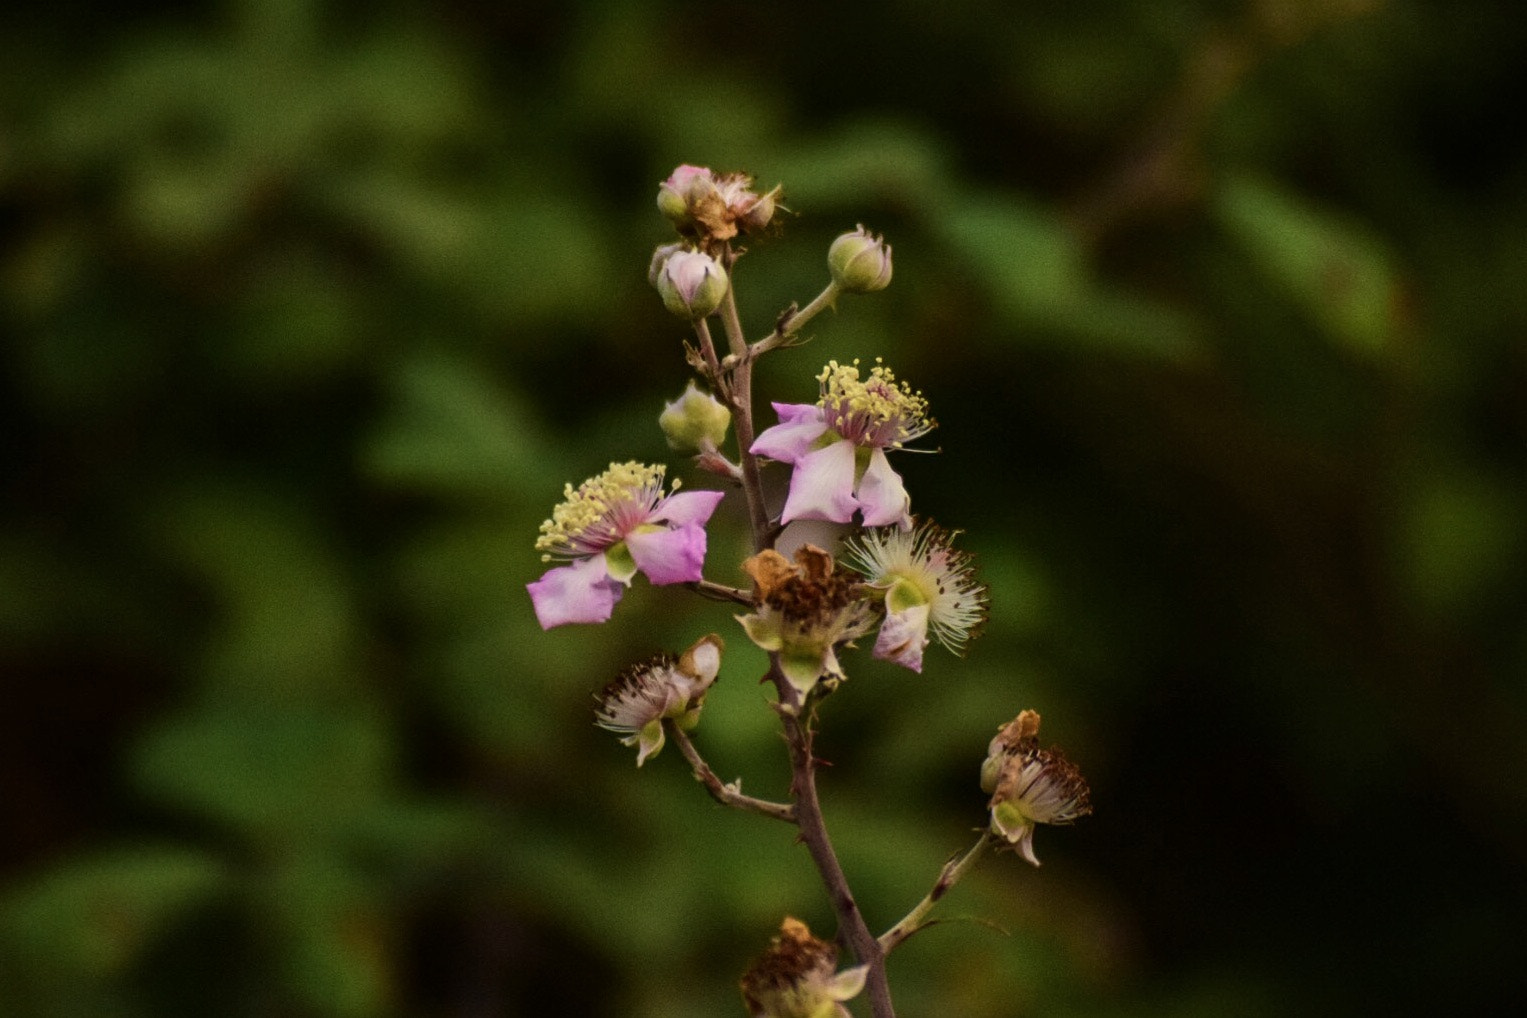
{"points": [[808, 817], [741, 398], [950, 875], [708, 351], [726, 795], [806, 811], [790, 322]]}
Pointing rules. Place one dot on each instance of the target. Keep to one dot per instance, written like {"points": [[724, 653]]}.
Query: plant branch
{"points": [[720, 592], [790, 322], [950, 875], [852, 927], [726, 795], [708, 352], [740, 395]]}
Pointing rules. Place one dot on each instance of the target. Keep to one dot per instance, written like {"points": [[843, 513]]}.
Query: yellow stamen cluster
{"points": [[873, 404], [584, 508]]}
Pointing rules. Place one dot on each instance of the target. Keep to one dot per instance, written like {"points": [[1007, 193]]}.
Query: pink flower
{"points": [[611, 527], [838, 447]]}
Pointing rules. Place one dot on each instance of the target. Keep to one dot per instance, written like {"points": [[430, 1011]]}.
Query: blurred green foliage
{"points": [[311, 308]]}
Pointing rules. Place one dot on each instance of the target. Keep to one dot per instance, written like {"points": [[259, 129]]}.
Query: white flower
{"points": [[929, 587]]}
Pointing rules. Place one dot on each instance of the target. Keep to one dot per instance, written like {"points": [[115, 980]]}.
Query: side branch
{"points": [[950, 875], [726, 795], [721, 592]]}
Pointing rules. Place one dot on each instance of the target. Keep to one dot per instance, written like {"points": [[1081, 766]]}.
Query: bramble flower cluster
{"points": [[895, 576]]}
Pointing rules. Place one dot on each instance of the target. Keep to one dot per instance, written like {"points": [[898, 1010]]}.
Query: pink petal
{"points": [[687, 507], [800, 424], [822, 486], [669, 556], [903, 637], [580, 592], [882, 497], [791, 413]]}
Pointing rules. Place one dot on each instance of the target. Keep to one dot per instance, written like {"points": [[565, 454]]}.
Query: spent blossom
{"points": [[642, 696], [1029, 785], [929, 588], [805, 610], [608, 529], [797, 977], [704, 205], [838, 447]]}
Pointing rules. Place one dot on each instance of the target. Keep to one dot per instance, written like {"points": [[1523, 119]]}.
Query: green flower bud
{"points": [[677, 195], [695, 421], [692, 284], [860, 262]]}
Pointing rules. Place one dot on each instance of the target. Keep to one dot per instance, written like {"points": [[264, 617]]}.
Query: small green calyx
{"points": [[621, 564]]}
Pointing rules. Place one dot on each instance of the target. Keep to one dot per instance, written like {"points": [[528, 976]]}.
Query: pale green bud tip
{"points": [[694, 422], [860, 262], [692, 284]]}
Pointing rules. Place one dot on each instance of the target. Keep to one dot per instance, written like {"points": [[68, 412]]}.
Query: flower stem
{"points": [[852, 927], [720, 592], [826, 299], [807, 810], [740, 394], [726, 795], [950, 875]]}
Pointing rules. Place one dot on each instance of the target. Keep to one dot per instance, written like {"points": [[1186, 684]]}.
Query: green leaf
{"points": [[95, 915], [279, 778], [1332, 267]]}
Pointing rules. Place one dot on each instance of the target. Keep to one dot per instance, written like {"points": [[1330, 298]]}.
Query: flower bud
{"points": [[692, 284], [676, 194], [659, 259], [860, 262], [694, 422]]}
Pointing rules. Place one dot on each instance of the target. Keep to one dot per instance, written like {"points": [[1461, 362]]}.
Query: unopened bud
{"points": [[860, 262], [676, 194], [659, 259], [695, 422], [692, 284]]}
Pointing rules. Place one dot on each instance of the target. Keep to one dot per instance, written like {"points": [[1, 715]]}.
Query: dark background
{"points": [[311, 308]]}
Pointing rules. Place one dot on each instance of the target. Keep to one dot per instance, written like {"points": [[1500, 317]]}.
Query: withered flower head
{"points": [[636, 703], [1029, 785], [797, 977], [805, 610], [711, 206]]}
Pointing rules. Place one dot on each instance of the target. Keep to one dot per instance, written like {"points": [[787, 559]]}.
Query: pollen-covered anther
{"points": [[877, 410]]}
